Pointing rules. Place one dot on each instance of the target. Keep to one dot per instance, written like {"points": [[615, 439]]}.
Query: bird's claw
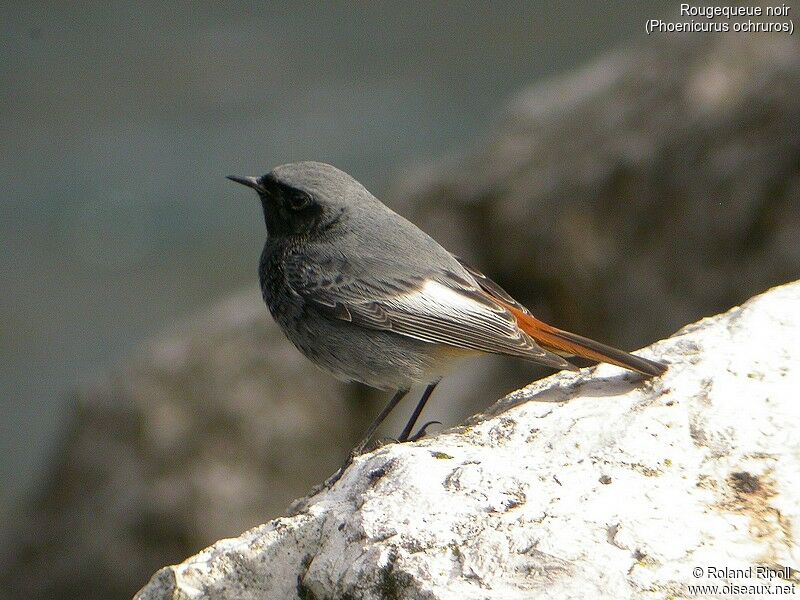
{"points": [[422, 430]]}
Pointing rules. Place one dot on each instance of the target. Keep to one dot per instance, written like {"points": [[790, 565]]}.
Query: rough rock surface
{"points": [[583, 485]]}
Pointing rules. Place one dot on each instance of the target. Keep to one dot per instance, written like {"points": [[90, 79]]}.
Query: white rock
{"points": [[584, 485]]}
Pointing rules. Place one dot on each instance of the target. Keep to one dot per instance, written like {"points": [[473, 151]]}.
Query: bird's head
{"points": [[305, 198]]}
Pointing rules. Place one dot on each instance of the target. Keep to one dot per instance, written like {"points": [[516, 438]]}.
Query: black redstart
{"points": [[369, 297]]}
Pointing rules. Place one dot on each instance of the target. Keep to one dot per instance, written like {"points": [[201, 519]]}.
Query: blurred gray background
{"points": [[619, 185], [120, 120]]}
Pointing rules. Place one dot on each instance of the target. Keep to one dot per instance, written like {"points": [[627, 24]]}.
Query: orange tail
{"points": [[564, 342]]}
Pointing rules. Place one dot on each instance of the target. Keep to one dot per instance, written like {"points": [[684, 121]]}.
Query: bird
{"points": [[369, 297]]}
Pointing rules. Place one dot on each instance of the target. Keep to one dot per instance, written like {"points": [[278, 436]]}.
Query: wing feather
{"points": [[444, 307]]}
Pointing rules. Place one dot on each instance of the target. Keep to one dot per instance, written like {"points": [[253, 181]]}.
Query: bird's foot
{"points": [[355, 453], [423, 430]]}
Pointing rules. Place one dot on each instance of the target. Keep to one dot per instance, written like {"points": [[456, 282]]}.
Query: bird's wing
{"points": [[444, 306]]}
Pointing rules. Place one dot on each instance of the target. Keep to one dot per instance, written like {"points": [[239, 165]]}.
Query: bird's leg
{"points": [[359, 448], [377, 422], [417, 411]]}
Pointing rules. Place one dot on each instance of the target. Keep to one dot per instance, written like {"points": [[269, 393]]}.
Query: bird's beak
{"points": [[252, 182]]}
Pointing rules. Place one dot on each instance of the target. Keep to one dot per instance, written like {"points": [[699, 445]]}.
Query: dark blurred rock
{"points": [[659, 185], [215, 429]]}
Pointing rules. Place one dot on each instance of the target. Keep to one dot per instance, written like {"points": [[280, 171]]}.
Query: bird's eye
{"points": [[299, 200]]}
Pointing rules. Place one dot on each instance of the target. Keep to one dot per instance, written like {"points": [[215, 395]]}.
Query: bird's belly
{"points": [[379, 359]]}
